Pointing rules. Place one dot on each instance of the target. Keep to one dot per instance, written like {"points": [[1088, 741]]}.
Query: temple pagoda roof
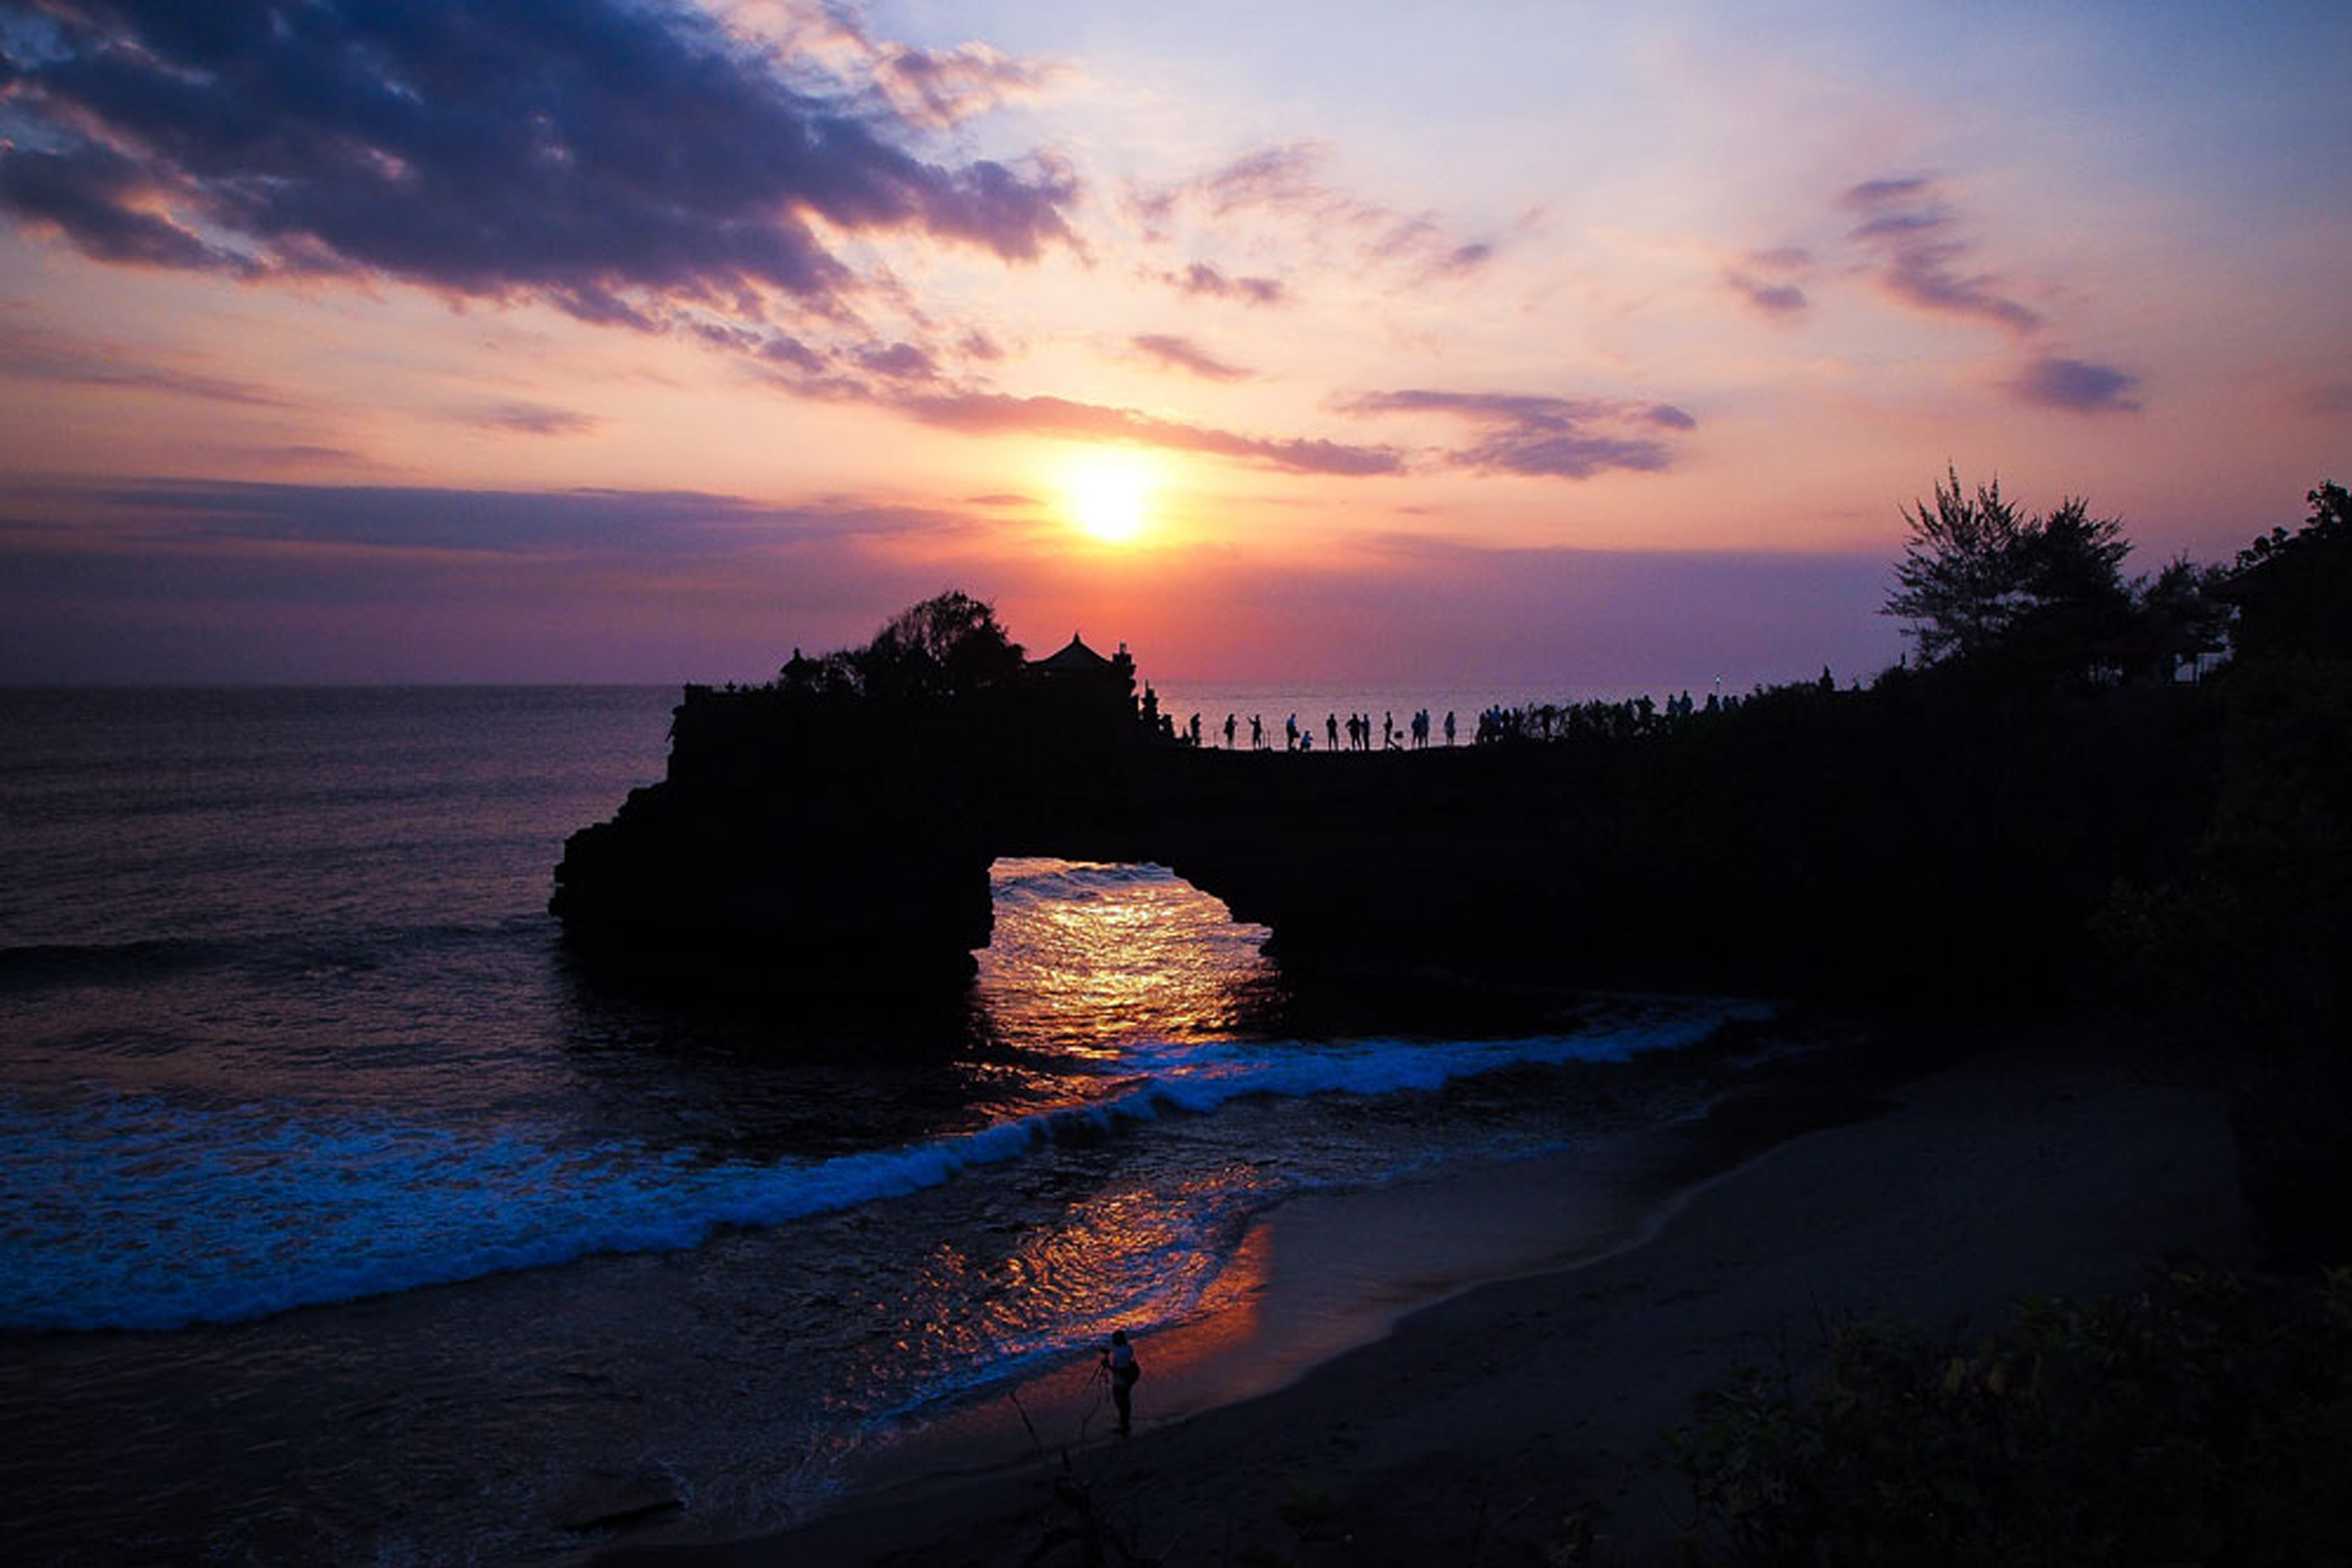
{"points": [[1077, 658]]}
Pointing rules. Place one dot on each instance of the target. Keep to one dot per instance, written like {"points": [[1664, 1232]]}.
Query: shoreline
{"points": [[1499, 1409], [1304, 1290]]}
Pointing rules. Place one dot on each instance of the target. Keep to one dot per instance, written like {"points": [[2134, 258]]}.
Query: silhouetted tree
{"points": [[2294, 591], [2182, 613], [1957, 580], [949, 646], [1980, 581]]}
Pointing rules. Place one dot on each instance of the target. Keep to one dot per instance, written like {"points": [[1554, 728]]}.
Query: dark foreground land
{"points": [[1498, 1426]]}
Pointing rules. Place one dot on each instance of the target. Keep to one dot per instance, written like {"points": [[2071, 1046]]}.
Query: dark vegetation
{"points": [[2201, 1421], [2208, 1417]]}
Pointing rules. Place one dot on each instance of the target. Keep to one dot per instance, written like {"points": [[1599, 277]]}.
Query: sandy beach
{"points": [[1470, 1429]]}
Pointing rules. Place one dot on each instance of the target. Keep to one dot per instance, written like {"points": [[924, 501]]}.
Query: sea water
{"points": [[343, 1215]]}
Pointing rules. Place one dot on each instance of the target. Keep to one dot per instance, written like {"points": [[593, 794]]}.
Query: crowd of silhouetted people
{"points": [[1358, 732], [1418, 732]]}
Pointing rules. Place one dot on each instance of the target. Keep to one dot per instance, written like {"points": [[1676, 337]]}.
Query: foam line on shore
{"points": [[139, 1212]]}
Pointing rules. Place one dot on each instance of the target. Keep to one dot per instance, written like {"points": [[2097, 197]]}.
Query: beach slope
{"points": [[1471, 1431]]}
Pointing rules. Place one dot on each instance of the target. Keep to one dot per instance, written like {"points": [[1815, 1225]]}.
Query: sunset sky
{"points": [[589, 340]]}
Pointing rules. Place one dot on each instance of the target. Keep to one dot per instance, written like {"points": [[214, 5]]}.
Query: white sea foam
{"points": [[131, 1211]]}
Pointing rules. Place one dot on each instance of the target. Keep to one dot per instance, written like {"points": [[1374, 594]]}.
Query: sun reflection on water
{"points": [[1090, 958], [1099, 975]]}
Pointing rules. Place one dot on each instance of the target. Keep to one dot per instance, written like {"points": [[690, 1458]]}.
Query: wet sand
{"points": [[1469, 1429]]}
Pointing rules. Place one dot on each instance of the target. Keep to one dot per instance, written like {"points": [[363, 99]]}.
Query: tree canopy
{"points": [[2294, 591], [1979, 577], [948, 646]]}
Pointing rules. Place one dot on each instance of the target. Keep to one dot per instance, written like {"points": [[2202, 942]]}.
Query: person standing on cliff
{"points": [[1119, 1365]]}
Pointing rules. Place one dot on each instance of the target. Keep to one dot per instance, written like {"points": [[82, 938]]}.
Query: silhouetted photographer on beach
{"points": [[1118, 1363]]}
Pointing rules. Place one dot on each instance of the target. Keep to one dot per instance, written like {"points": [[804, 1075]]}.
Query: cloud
{"points": [[899, 363], [943, 88], [1201, 278], [1541, 436], [307, 451], [637, 524], [990, 413], [1911, 230], [621, 159], [1287, 184], [1000, 499], [29, 353], [1773, 300], [2335, 397], [1182, 354], [530, 419], [181, 580], [2076, 386], [829, 43]]}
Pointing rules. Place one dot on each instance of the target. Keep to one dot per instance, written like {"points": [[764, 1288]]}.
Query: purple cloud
{"points": [[2333, 398], [89, 192], [2076, 386], [530, 419], [619, 159], [1912, 231], [1773, 300], [1182, 354], [1287, 182], [1540, 436], [943, 88], [198, 581], [1203, 278], [31, 355], [900, 362], [990, 413], [633, 523], [1877, 193]]}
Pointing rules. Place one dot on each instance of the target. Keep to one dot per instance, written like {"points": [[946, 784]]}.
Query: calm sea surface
{"points": [[341, 1217]]}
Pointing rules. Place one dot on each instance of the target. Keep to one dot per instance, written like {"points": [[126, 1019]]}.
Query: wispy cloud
{"points": [[30, 354], [1536, 435], [1911, 230], [1773, 300], [900, 362], [2076, 386], [831, 45], [1182, 354], [178, 579], [944, 88], [1768, 280], [530, 419], [990, 413], [620, 161], [2335, 397], [631, 523], [1201, 278], [1289, 184]]}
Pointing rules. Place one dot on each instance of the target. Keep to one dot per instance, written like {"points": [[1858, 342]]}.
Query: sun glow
{"points": [[1108, 498]]}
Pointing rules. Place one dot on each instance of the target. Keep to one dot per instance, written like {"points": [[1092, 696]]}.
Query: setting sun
{"points": [[1106, 497]]}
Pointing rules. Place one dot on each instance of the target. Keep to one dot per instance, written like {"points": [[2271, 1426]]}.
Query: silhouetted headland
{"points": [[1960, 829]]}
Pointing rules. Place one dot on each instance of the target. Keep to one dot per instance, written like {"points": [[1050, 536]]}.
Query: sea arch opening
{"points": [[1086, 956]]}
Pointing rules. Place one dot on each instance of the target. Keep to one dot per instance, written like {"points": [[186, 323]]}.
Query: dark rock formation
{"points": [[1808, 841]]}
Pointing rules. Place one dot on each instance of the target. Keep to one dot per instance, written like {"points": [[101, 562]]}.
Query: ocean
{"points": [[345, 1217]]}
